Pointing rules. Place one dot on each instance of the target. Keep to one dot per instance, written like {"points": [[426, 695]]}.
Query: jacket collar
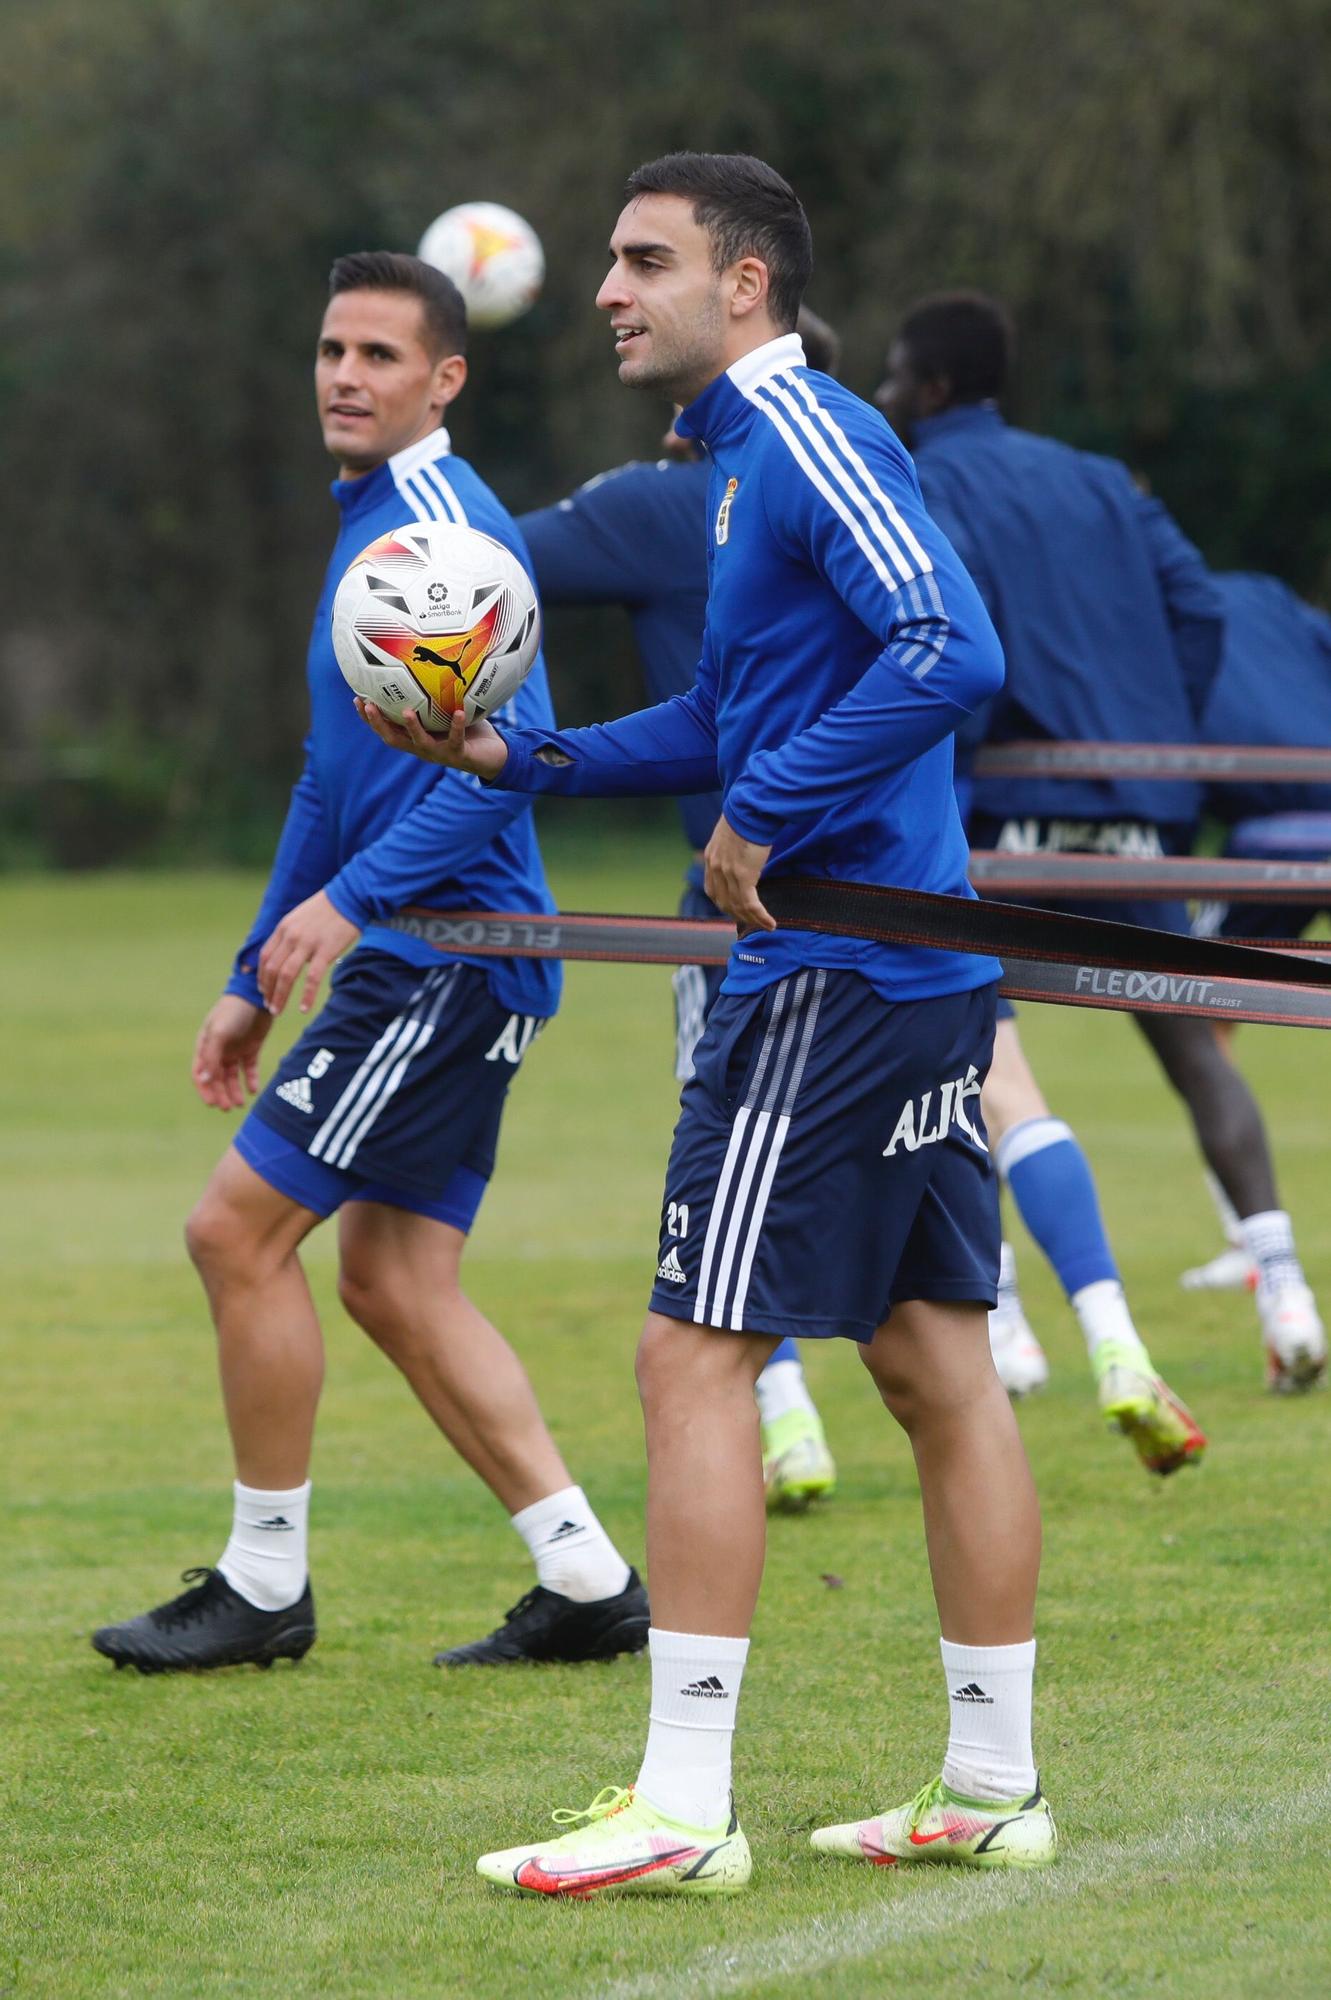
{"points": [[727, 397], [355, 496], [962, 417], [786, 351]]}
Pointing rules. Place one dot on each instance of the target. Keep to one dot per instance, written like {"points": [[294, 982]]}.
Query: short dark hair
{"points": [[747, 209], [966, 336], [394, 271], [822, 343]]}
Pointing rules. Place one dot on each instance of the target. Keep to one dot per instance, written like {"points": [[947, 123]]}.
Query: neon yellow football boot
{"points": [[939, 1825], [1135, 1400], [797, 1466], [622, 1842]]}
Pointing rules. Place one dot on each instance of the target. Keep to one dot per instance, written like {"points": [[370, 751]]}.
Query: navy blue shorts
{"points": [[394, 1093], [1126, 839], [830, 1161], [1303, 836], [696, 986]]}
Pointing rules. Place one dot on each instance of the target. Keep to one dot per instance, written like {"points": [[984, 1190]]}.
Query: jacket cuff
{"points": [[516, 774], [245, 984], [347, 903], [750, 823]]}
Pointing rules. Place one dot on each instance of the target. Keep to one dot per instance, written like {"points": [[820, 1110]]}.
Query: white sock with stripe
{"points": [[1269, 1240], [571, 1550], [266, 1559], [695, 1691], [989, 1692]]}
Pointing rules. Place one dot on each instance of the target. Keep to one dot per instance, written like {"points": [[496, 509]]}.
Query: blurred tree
{"points": [[1144, 185]]}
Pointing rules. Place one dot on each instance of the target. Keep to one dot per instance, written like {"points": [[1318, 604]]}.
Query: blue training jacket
{"points": [[378, 830], [1110, 622], [1274, 686], [844, 644], [637, 537]]}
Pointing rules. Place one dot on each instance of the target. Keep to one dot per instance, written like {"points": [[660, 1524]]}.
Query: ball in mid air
{"points": [[493, 257], [432, 617]]}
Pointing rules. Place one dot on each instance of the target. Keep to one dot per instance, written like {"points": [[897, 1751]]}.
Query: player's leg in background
{"points": [[798, 1467], [1233, 1268], [931, 1365], [243, 1237], [400, 1280], [1050, 1179], [1232, 1136], [1010, 1096]]}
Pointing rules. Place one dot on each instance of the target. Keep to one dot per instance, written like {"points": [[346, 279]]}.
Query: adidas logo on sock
{"points": [[278, 1523], [297, 1093], [671, 1269], [710, 1689], [563, 1531], [972, 1692]]}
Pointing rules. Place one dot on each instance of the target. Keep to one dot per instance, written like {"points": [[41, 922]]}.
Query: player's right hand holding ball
{"points": [[474, 747]]}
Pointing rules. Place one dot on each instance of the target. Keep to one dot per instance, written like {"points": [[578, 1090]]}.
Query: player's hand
{"points": [[468, 746], [307, 940], [731, 868], [226, 1054]]}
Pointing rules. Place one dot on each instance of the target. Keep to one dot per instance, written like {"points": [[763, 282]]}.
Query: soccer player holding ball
{"points": [[637, 536], [386, 1112], [829, 1174]]}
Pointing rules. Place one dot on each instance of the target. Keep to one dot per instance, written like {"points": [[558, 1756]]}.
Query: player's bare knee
{"points": [[893, 1384], [373, 1301], [654, 1364], [217, 1236]]}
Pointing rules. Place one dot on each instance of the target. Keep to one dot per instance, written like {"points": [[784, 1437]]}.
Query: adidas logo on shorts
{"points": [[297, 1092], [671, 1269]]}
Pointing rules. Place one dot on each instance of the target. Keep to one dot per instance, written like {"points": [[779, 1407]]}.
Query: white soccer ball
{"points": [[434, 615], [493, 257]]}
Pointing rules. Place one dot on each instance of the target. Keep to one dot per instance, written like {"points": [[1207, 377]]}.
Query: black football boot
{"points": [[545, 1627], [209, 1625]]}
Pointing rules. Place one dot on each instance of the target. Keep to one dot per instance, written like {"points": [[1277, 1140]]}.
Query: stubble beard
{"points": [[682, 369]]}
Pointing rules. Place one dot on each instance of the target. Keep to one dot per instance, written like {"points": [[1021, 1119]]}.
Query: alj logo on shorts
{"points": [[913, 1126]]}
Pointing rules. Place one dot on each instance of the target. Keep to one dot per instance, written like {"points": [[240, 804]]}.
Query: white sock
{"points": [[989, 1697], [1225, 1209], [571, 1550], [265, 1559], [695, 1691], [1269, 1240], [1007, 1318], [781, 1388], [1103, 1312]]}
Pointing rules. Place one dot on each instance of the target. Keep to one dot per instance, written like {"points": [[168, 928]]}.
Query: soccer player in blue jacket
{"points": [[637, 537], [1274, 687], [829, 1174], [387, 1109], [1112, 628]]}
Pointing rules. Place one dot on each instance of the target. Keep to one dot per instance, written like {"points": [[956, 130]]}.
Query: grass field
{"points": [[312, 1831]]}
